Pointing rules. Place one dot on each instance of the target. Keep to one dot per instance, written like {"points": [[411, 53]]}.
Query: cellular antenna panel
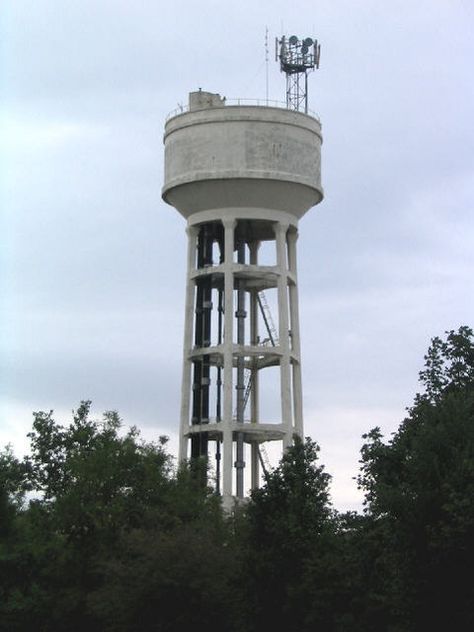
{"points": [[297, 58]]}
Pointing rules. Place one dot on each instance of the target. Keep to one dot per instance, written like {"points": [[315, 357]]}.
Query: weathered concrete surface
{"points": [[218, 156]]}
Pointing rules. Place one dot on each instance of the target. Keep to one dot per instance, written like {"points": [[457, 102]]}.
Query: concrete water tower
{"points": [[242, 175]]}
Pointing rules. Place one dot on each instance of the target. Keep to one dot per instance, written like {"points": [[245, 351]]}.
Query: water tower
{"points": [[242, 175]]}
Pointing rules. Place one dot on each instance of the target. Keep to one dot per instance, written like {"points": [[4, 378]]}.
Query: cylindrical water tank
{"points": [[231, 156]]}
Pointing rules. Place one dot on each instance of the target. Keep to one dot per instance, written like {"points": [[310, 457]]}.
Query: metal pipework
{"points": [[220, 323], [240, 314], [208, 234]]}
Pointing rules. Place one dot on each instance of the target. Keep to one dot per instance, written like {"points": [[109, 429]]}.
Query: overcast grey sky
{"points": [[91, 305]]}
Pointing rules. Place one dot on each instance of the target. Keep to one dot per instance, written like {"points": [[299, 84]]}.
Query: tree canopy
{"points": [[99, 530], [420, 492]]}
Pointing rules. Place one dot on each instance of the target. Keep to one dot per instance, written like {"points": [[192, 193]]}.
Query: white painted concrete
{"points": [[221, 156], [255, 171]]}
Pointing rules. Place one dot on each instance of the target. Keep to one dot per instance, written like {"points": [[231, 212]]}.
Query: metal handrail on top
{"points": [[271, 103]]}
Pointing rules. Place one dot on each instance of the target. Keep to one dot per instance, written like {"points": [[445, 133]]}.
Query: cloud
{"points": [[92, 260]]}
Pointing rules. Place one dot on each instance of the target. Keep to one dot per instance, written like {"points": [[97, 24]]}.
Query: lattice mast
{"points": [[297, 58]]}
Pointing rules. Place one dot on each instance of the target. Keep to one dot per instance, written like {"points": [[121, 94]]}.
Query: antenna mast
{"points": [[266, 65], [297, 58]]}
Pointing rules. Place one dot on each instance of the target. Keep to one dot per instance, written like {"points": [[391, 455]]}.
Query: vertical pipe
{"points": [[220, 312], [197, 363], [285, 384], [206, 320], [306, 91], [254, 394], [192, 232], [240, 315], [229, 225], [266, 65]]}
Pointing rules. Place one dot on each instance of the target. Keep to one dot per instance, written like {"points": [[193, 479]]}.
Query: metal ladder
{"points": [[264, 460], [267, 318], [272, 338]]}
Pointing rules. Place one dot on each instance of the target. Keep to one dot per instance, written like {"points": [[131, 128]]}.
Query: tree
{"points": [[168, 580], [15, 555], [113, 538], [171, 570], [100, 532], [420, 494], [288, 527], [90, 483], [13, 486]]}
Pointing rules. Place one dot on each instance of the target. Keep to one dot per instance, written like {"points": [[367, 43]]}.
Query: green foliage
{"points": [[90, 484], [167, 580], [293, 503], [99, 532], [420, 492], [14, 477], [288, 520], [449, 365]]}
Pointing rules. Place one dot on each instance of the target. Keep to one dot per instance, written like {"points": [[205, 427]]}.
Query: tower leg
{"points": [[254, 393], [241, 315], [205, 353], [192, 232], [283, 320], [295, 335], [202, 339], [229, 225]]}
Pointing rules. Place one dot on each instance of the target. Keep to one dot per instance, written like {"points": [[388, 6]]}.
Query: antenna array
{"points": [[297, 58]]}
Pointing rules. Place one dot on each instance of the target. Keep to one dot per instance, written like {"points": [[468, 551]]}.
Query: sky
{"points": [[92, 261]]}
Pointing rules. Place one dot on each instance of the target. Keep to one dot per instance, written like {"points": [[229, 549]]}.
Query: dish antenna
{"points": [[297, 58]]}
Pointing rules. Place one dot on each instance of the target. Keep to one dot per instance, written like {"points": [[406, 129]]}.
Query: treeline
{"points": [[99, 532]]}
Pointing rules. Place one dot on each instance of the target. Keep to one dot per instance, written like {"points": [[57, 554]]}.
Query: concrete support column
{"points": [[295, 335], [240, 315], [283, 321], [229, 226], [254, 394], [192, 232]]}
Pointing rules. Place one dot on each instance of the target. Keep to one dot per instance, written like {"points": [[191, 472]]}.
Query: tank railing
{"points": [[270, 103]]}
